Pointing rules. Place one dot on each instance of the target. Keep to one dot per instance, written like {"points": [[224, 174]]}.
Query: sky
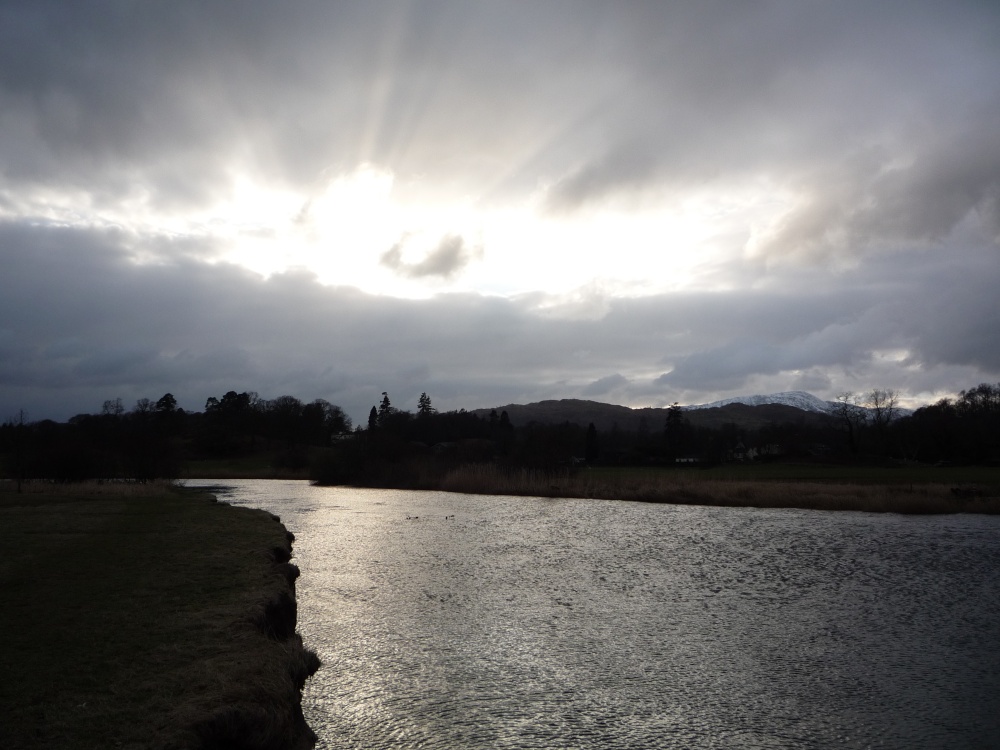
{"points": [[496, 202]]}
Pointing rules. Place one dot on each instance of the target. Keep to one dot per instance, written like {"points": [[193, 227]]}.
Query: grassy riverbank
{"points": [[874, 489], [908, 490], [820, 486], [135, 616]]}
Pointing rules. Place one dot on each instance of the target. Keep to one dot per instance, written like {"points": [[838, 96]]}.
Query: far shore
{"points": [[690, 489], [880, 489]]}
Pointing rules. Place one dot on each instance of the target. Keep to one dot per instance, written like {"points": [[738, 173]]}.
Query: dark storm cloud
{"points": [[108, 96], [449, 257], [81, 323], [105, 95], [874, 123], [870, 202], [118, 328], [728, 367], [936, 308], [604, 386], [878, 119]]}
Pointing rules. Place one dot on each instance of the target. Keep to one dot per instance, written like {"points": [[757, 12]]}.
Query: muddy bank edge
{"points": [[269, 715]]}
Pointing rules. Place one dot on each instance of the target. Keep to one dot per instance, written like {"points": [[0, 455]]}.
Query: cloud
{"points": [[82, 322], [871, 202], [842, 157], [731, 366], [448, 258], [621, 174], [171, 98], [605, 385]]}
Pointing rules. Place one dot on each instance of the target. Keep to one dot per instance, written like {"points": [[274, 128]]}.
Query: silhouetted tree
{"points": [[321, 420], [883, 406], [675, 431], [113, 408], [505, 432], [232, 422], [167, 403], [16, 430], [144, 406], [384, 410], [642, 431], [337, 420], [592, 450], [424, 408], [548, 446], [979, 411], [284, 419], [852, 416]]}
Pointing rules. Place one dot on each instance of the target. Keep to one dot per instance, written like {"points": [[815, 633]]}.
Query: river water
{"points": [[466, 621]]}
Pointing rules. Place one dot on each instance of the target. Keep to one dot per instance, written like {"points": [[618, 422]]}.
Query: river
{"points": [[467, 621]]}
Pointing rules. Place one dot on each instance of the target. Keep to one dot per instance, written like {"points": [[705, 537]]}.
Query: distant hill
{"points": [[754, 417], [608, 416], [578, 411], [798, 399]]}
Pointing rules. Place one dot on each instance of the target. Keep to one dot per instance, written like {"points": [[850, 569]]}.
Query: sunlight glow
{"points": [[343, 232], [369, 229]]}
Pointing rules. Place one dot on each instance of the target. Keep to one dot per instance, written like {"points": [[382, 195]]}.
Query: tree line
{"points": [[397, 447], [154, 438]]}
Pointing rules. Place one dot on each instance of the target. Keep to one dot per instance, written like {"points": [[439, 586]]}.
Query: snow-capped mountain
{"points": [[798, 399]]}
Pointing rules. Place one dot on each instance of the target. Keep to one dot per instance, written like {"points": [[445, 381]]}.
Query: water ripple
{"points": [[451, 621]]}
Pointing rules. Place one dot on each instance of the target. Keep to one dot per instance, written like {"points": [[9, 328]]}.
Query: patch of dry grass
{"points": [[128, 620], [690, 489], [91, 488]]}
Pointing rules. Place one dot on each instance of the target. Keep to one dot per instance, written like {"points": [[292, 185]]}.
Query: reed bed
{"points": [[688, 489]]}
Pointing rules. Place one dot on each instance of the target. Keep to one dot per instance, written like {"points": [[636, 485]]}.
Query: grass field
{"points": [[131, 618]]}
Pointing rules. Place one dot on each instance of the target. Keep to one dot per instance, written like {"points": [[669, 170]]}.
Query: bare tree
{"points": [[853, 416], [144, 406], [113, 408], [18, 425], [883, 404]]}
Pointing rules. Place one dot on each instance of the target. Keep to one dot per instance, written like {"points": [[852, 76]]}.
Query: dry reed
{"points": [[687, 489], [90, 488]]}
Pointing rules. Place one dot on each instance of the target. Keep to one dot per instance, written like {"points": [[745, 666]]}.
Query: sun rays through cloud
{"points": [[660, 202]]}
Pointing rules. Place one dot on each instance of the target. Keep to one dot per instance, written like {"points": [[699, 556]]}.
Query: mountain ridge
{"points": [[629, 419], [749, 412], [797, 399]]}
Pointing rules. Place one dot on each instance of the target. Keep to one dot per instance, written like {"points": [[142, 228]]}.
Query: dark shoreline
{"points": [[278, 723], [700, 488], [141, 616]]}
